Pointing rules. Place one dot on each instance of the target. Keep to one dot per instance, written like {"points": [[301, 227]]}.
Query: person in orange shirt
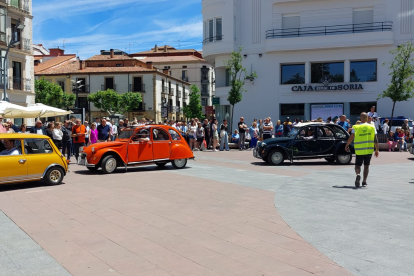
{"points": [[78, 134]]}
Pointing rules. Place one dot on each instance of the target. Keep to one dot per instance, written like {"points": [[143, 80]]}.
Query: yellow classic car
{"points": [[28, 157]]}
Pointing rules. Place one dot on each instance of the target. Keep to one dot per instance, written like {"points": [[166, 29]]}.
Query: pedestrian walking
{"points": [[224, 139], [242, 133], [365, 136]]}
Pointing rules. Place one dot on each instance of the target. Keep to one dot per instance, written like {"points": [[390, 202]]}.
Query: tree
{"points": [[51, 94], [112, 102], [237, 76], [401, 87], [194, 108]]}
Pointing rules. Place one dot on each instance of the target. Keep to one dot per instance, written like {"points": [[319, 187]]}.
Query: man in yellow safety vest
{"points": [[365, 143]]}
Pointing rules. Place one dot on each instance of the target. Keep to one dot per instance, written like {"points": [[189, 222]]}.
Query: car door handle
{"points": [[21, 161]]}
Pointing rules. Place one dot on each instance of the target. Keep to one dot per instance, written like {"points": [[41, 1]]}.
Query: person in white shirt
{"points": [[58, 135], [114, 131], [374, 118], [385, 126]]}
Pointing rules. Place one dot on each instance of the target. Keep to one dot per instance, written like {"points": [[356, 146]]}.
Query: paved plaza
{"points": [[227, 213]]}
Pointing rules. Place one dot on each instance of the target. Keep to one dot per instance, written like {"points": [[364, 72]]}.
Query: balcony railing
{"points": [[25, 43], [171, 92], [330, 30], [173, 108], [179, 93], [164, 90], [184, 79], [84, 89], [205, 92], [185, 95], [15, 83], [106, 87], [19, 4], [3, 37], [213, 39], [137, 88]]}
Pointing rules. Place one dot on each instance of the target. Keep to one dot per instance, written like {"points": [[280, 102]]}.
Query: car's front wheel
{"points": [[109, 164], [275, 157], [344, 159], [54, 176], [179, 163]]}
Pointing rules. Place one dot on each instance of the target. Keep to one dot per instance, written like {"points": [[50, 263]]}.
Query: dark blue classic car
{"points": [[307, 141]]}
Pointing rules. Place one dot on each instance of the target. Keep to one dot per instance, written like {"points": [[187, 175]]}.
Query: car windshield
{"points": [[126, 134], [293, 132]]}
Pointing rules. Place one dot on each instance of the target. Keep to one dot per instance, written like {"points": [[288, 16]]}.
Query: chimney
{"points": [[165, 48], [112, 53], [165, 71], [156, 48], [81, 65], [55, 52], [149, 65]]}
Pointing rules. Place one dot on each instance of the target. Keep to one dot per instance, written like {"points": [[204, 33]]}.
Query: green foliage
{"points": [[401, 86], [113, 103], [51, 94], [237, 76], [194, 108]]}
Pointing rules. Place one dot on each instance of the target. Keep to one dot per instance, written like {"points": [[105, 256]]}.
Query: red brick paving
{"points": [[155, 222]]}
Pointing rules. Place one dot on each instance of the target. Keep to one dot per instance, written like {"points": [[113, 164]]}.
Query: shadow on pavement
{"points": [[346, 187], [299, 163], [25, 185], [148, 168]]}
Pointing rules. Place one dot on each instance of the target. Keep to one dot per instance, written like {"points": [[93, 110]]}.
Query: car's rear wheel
{"points": [[54, 176], [330, 160], [109, 164], [179, 163], [92, 169], [275, 157], [344, 159], [161, 164]]}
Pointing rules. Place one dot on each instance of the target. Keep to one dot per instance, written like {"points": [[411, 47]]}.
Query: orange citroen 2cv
{"points": [[146, 144]]}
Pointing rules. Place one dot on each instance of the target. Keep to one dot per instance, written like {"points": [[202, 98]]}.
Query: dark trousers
{"points": [[77, 146], [67, 146]]}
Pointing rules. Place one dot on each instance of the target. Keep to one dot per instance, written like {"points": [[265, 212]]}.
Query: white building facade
{"points": [[313, 58], [16, 22]]}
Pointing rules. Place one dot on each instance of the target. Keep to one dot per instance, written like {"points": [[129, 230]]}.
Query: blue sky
{"points": [[87, 26]]}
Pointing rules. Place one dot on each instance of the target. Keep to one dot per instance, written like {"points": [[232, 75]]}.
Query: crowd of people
{"points": [[71, 135]]}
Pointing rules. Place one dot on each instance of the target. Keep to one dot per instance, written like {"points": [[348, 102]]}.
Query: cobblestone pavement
{"points": [[216, 217]]}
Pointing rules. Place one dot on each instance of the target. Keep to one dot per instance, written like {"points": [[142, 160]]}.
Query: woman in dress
{"points": [[215, 134], [93, 134]]}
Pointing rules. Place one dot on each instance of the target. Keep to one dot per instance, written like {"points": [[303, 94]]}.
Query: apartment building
{"points": [[163, 95], [313, 58], [16, 32], [185, 64]]}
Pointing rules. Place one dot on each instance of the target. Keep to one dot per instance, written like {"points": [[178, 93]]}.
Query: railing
{"points": [[213, 39], [84, 89], [171, 92], [185, 95], [137, 88], [173, 108], [205, 92], [16, 83], [164, 90], [25, 43], [179, 93], [106, 87], [3, 37], [184, 79], [19, 4], [330, 30]]}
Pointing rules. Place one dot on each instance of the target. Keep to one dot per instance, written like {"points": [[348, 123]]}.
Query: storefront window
{"points": [[292, 109], [332, 72], [363, 71], [293, 74], [357, 108]]}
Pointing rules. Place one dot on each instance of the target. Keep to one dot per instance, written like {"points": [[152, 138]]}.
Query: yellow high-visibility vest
{"points": [[364, 139]]}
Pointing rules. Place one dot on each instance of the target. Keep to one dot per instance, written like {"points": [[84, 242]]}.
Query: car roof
{"points": [[148, 126], [22, 135]]}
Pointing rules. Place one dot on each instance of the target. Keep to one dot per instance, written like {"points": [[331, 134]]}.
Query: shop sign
{"points": [[209, 109], [337, 87], [216, 101]]}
